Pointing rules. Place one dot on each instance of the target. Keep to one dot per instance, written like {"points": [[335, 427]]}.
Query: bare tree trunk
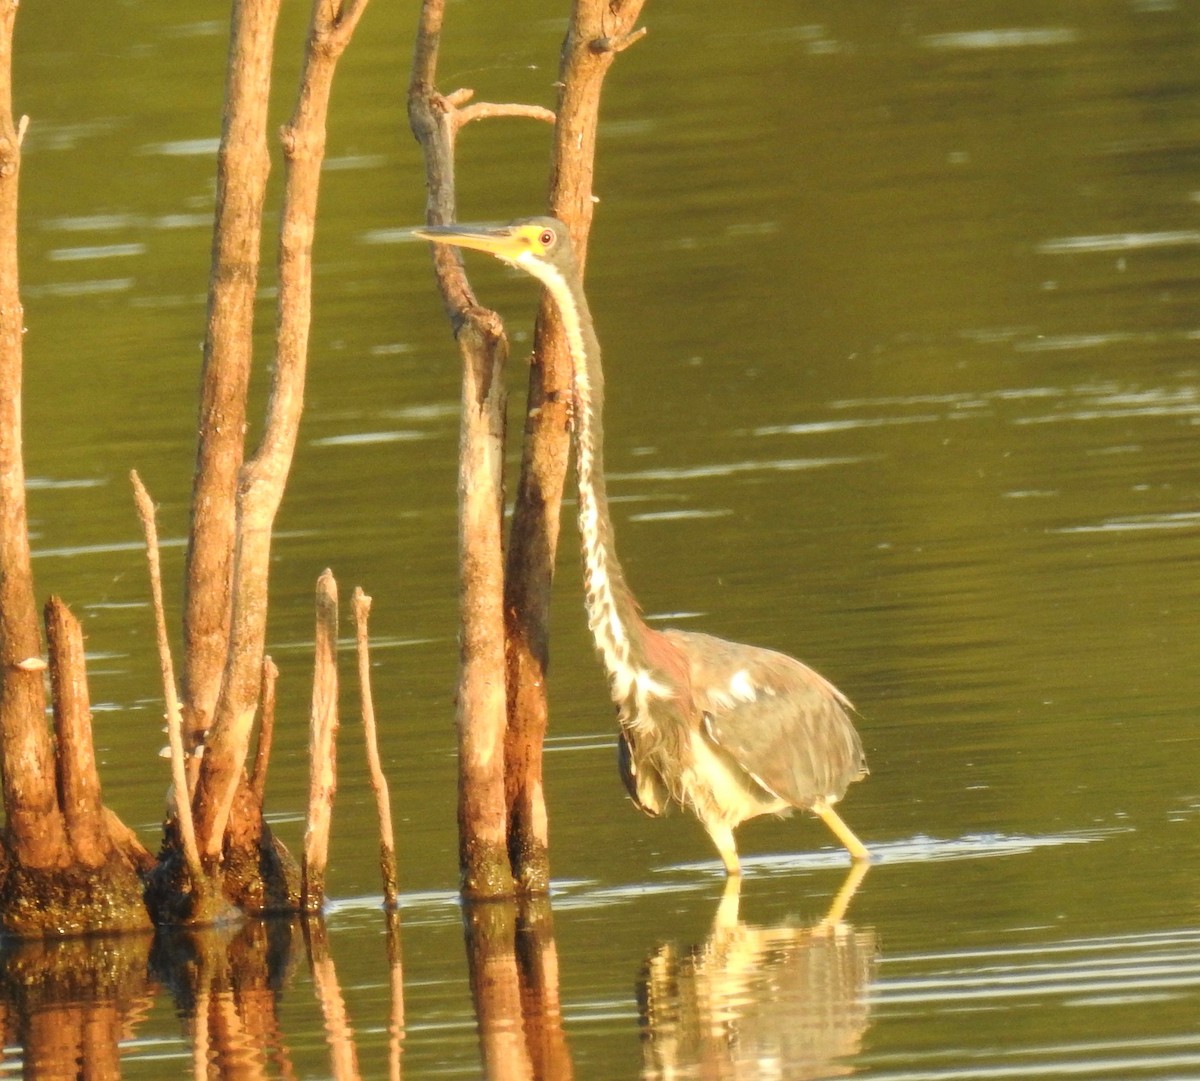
{"points": [[264, 476], [482, 820], [597, 31], [35, 827], [242, 167], [78, 781]]}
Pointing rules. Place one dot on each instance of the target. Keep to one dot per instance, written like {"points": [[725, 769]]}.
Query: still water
{"points": [[900, 311]]}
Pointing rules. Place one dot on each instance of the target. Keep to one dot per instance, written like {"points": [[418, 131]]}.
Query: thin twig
{"points": [[322, 746], [183, 802], [379, 785], [266, 730], [487, 110], [619, 43]]}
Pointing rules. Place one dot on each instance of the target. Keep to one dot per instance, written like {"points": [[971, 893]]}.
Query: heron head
{"points": [[527, 243]]}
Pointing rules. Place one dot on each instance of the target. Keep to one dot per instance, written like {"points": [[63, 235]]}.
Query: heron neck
{"points": [[611, 608]]}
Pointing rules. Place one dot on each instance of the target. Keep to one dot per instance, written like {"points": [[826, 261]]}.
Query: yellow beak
{"points": [[502, 241]]}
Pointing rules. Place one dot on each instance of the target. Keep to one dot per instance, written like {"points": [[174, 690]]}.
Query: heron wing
{"points": [[783, 723]]}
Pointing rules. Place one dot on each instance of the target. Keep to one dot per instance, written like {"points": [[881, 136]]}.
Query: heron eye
{"points": [[546, 239]]}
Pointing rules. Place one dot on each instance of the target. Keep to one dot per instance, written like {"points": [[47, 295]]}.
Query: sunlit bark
{"points": [[35, 825], [243, 163], [598, 30], [264, 476]]}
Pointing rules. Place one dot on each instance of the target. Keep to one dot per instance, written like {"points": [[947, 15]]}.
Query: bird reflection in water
{"points": [[785, 1001]]}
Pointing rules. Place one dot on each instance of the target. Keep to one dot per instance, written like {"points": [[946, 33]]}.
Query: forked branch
{"points": [[264, 476]]}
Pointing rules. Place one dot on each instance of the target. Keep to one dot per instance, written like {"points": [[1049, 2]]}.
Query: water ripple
{"points": [[1102, 242], [1003, 38], [1111, 971]]}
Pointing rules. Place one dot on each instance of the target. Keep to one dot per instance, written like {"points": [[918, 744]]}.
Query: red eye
{"points": [[546, 239]]}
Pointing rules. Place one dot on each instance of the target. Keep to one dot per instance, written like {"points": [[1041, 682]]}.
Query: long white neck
{"points": [[611, 609]]}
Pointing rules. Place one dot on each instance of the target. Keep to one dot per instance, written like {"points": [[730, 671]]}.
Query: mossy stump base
{"points": [[256, 878], [73, 900]]}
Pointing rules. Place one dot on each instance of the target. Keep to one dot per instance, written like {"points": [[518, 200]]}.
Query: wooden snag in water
{"points": [[78, 781], [182, 810], [223, 788], [597, 31], [501, 799], [322, 747], [243, 165], [67, 864], [480, 699], [35, 834], [379, 785], [266, 734]]}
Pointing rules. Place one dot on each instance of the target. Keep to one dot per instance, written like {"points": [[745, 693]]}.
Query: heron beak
{"points": [[502, 241]]}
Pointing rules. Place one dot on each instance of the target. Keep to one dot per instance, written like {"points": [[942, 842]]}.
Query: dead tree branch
{"points": [[34, 822], [322, 746], [243, 164], [598, 30], [587, 54], [266, 733], [179, 776], [78, 780], [264, 476], [379, 785], [482, 820]]}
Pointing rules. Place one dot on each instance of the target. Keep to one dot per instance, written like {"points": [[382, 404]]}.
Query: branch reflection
{"points": [[226, 983], [513, 966], [793, 996], [67, 1004]]}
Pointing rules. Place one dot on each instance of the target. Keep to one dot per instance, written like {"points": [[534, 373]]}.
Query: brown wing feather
{"points": [[643, 783], [782, 722]]}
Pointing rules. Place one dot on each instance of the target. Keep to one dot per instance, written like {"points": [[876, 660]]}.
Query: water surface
{"points": [[899, 307]]}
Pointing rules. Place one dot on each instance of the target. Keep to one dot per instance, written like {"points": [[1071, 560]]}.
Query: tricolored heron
{"points": [[727, 731]]}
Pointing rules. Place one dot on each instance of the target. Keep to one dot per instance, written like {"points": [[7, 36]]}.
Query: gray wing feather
{"points": [[784, 724]]}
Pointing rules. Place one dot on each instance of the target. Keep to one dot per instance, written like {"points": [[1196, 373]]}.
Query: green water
{"points": [[899, 308]]}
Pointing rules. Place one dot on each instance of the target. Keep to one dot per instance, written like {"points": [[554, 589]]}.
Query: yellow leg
{"points": [[843, 832], [722, 837]]}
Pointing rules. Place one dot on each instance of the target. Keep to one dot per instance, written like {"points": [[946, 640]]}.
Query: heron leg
{"points": [[722, 837], [833, 820]]}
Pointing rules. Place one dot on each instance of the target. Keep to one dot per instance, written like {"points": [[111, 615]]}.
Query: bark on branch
{"points": [[480, 709], [35, 825], [513, 807], [587, 54], [263, 477], [243, 164]]}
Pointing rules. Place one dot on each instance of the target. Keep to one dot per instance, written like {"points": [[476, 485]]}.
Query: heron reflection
{"points": [[790, 995]]}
